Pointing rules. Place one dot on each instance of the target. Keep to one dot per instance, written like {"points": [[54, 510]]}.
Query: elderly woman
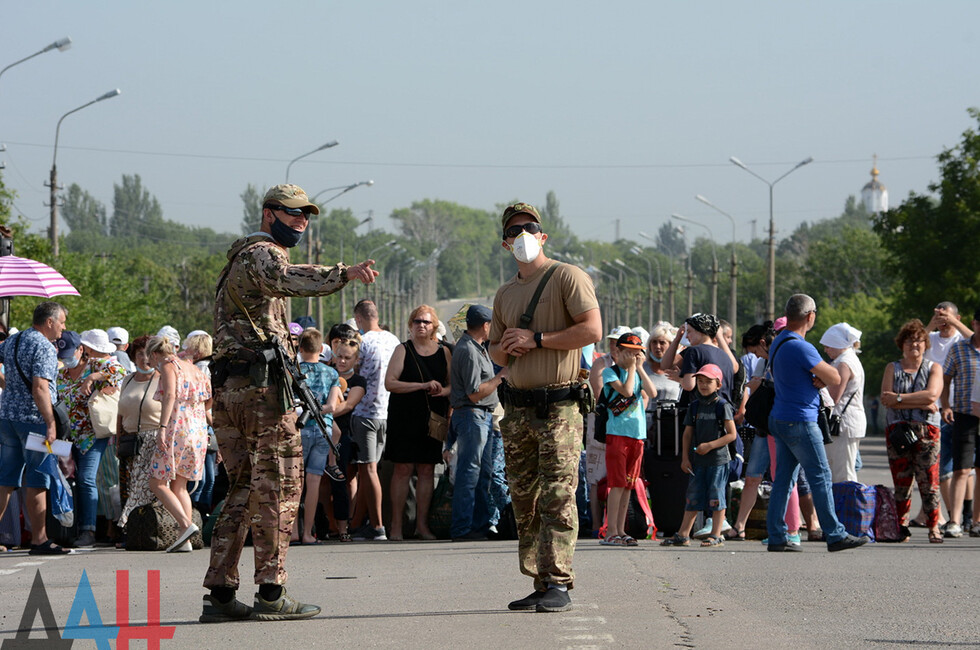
{"points": [[139, 415], [840, 342], [94, 369], [418, 378], [181, 444], [667, 388], [909, 389], [197, 349]]}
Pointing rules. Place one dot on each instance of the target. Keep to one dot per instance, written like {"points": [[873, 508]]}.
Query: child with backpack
{"points": [[708, 429], [625, 386]]}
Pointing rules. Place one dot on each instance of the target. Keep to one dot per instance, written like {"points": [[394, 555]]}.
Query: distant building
{"points": [[874, 196]]}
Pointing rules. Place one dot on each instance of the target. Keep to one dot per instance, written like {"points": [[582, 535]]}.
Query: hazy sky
{"points": [[625, 109]]}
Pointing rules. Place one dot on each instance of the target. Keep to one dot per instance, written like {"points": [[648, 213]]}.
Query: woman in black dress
{"points": [[418, 379]]}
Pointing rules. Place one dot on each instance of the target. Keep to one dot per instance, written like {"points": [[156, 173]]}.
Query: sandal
{"points": [[935, 537], [629, 540], [345, 537], [711, 541], [335, 473], [735, 534], [676, 540], [47, 548], [615, 540], [815, 535]]}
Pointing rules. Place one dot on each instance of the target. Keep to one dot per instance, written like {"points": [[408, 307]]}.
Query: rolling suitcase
{"points": [[662, 468]]}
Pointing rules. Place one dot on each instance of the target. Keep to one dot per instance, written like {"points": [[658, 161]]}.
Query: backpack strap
{"points": [[528, 314]]}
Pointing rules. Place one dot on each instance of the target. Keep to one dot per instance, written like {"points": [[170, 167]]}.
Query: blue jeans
{"points": [[205, 487], [800, 444], [87, 465], [18, 466], [499, 495], [474, 466]]}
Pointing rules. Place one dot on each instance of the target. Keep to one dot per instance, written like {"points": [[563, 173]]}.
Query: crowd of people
{"points": [[505, 407]]}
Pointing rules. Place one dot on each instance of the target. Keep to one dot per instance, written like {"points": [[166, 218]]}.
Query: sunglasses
{"points": [[531, 227], [422, 321], [293, 212]]}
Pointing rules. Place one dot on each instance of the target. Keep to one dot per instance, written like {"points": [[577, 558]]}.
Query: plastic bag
{"points": [[62, 504]]}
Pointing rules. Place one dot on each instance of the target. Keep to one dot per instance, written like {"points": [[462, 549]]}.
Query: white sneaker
{"points": [[705, 530], [953, 530], [184, 548]]}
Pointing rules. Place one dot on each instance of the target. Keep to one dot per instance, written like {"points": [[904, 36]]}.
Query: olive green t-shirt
{"points": [[569, 293]]}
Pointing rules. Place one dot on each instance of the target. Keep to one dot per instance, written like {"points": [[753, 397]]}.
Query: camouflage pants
{"points": [[263, 456], [542, 473]]}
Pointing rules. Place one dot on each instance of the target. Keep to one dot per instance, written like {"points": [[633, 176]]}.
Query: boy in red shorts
{"points": [[625, 385]]}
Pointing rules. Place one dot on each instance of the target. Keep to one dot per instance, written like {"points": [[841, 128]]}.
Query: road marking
{"points": [[603, 638], [29, 563], [7, 572], [586, 619]]}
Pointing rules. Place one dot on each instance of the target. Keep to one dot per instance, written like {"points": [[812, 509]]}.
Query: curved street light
{"points": [[332, 143], [733, 298], [670, 275], [53, 183], [61, 45], [344, 189], [771, 300]]}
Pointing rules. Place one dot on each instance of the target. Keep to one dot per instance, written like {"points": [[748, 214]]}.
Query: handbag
{"points": [[904, 435], [62, 424], [151, 528], [761, 400], [823, 423], [836, 419], [103, 411], [438, 424], [127, 444]]}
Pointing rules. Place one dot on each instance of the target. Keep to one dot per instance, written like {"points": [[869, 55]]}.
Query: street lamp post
{"points": [[332, 143], [670, 276], [771, 300], [638, 252], [714, 262], [343, 294], [61, 45], [309, 240], [733, 298], [53, 183], [639, 284]]}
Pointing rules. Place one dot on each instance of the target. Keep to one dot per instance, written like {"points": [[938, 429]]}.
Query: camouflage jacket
{"points": [[259, 271]]}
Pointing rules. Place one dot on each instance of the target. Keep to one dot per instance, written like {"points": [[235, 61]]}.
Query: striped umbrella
{"points": [[20, 276]]}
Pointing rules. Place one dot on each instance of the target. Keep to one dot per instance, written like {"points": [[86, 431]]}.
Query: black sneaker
{"points": [[527, 603], [848, 542], [217, 612], [554, 600], [784, 548]]}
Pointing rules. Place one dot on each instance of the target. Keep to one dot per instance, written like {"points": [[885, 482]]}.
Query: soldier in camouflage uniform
{"points": [[257, 434], [543, 423]]}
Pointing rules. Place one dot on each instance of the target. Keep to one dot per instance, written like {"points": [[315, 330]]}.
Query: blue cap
{"points": [[67, 344], [477, 315]]}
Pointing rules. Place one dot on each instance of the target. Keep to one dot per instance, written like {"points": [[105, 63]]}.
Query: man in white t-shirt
{"points": [[945, 328], [369, 421]]}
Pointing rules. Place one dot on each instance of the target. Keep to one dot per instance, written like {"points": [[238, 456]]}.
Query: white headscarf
{"points": [[840, 336]]}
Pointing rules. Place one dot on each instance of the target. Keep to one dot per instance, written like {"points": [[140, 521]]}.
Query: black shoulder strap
{"points": [[531, 306], [772, 356]]}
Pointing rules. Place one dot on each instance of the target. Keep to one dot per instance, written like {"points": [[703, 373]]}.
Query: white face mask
{"points": [[526, 248]]}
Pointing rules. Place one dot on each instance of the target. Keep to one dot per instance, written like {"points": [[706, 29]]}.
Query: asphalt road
{"points": [[445, 594]]}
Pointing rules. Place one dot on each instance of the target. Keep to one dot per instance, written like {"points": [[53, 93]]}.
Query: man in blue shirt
{"points": [[798, 375], [27, 407]]}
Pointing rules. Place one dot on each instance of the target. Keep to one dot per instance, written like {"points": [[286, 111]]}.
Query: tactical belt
{"points": [[540, 398]]}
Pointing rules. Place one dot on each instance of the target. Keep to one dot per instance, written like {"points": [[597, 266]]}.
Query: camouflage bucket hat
{"points": [[520, 208], [291, 196]]}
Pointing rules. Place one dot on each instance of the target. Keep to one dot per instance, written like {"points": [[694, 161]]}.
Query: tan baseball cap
{"points": [[291, 196], [520, 208]]}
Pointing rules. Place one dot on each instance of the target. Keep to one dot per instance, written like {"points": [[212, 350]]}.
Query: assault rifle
{"points": [[294, 388]]}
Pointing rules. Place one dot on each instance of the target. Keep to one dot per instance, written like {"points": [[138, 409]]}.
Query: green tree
{"points": [[135, 212], [934, 238], [670, 242], [251, 209]]}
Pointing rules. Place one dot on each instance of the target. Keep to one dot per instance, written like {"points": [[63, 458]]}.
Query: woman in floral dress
{"points": [[93, 370], [182, 443]]}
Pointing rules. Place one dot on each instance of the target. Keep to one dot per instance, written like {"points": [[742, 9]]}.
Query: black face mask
{"points": [[285, 235]]}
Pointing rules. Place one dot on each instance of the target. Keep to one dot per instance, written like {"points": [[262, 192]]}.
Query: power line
{"points": [[464, 165]]}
